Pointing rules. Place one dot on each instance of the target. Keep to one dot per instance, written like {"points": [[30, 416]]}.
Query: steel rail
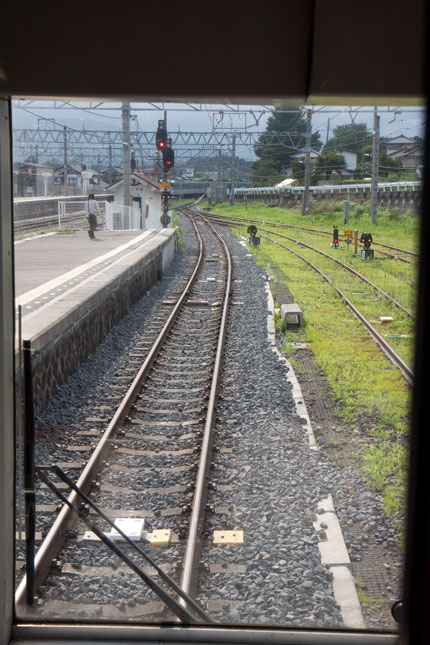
{"points": [[37, 223], [310, 230], [352, 271], [380, 341], [52, 542], [193, 547], [348, 268]]}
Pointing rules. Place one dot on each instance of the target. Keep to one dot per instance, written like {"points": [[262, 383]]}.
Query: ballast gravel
{"points": [[268, 482]]}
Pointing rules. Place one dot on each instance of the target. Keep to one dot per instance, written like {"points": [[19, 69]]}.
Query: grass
{"points": [[365, 600], [179, 229], [370, 392], [66, 231]]}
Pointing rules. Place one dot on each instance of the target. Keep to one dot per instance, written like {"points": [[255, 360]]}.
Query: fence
{"points": [[72, 210]]}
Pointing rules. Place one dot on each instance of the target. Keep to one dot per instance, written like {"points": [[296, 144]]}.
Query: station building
{"points": [[145, 195]]}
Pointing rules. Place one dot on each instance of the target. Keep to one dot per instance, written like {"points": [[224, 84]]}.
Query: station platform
{"points": [[70, 290], [45, 262]]}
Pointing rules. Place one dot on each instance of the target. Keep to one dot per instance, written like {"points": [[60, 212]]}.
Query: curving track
{"points": [[170, 403]]}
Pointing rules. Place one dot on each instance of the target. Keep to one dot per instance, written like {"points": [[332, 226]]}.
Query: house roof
{"points": [[400, 139], [415, 151], [70, 168], [139, 176], [351, 152], [313, 154]]}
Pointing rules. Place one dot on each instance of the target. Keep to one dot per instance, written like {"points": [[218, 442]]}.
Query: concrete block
{"points": [[291, 315], [346, 596]]}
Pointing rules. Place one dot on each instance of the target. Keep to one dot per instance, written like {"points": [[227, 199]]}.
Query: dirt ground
{"points": [[378, 572]]}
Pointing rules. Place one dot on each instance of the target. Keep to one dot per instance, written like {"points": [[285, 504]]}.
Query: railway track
{"points": [[237, 221], [255, 484], [44, 222], [381, 342], [150, 463]]}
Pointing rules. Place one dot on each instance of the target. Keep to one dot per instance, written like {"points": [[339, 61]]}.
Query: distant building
{"points": [[406, 150], [73, 176], [187, 173], [396, 144], [32, 180], [111, 174], [350, 159], [86, 179], [145, 195]]}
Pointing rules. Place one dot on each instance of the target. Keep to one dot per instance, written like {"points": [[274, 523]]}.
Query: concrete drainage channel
{"points": [[332, 547]]}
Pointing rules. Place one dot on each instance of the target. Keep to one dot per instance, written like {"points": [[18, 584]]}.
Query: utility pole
{"points": [[126, 152], [65, 173], [375, 167], [233, 162], [305, 204], [219, 192], [110, 165], [328, 130]]}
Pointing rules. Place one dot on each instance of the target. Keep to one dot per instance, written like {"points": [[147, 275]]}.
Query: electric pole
{"points": [[65, 173], [375, 167], [305, 204], [126, 152], [219, 191], [110, 165], [233, 161]]}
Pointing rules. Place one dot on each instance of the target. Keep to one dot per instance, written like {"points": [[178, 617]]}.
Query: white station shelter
{"points": [[145, 195]]}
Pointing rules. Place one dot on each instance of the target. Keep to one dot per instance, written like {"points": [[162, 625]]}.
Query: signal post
{"points": [[164, 144]]}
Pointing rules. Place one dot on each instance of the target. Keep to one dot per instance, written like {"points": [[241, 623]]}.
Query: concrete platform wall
{"points": [[69, 331]]}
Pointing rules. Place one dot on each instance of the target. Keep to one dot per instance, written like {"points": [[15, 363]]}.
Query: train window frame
{"points": [[120, 633]]}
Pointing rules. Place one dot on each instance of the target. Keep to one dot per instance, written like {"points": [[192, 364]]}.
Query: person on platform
{"points": [[93, 209]]}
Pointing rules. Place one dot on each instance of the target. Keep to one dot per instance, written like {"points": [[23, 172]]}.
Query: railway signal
{"points": [[164, 144], [335, 242], [252, 230], [366, 240], [168, 159], [161, 135]]}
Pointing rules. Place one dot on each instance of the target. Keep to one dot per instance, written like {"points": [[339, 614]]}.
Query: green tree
{"points": [[266, 173], [278, 155], [298, 168], [352, 137], [327, 164], [387, 165]]}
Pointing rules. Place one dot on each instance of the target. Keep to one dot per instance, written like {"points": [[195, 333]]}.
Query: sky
{"points": [[208, 118]]}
